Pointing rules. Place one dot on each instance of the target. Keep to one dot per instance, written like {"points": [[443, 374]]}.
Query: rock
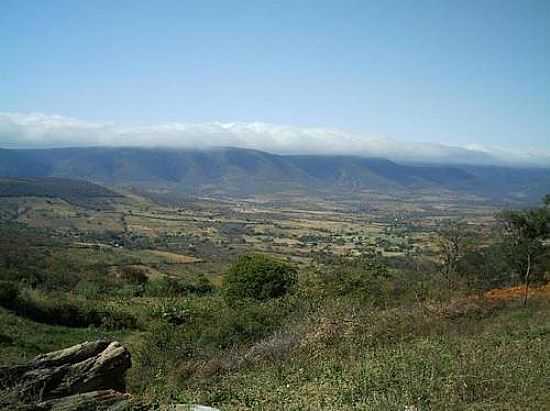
{"points": [[184, 407], [105, 399], [87, 373]]}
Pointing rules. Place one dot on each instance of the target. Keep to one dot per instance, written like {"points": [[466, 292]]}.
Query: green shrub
{"points": [[9, 294], [59, 311], [250, 323], [227, 326], [210, 328], [172, 311], [133, 275], [129, 291], [117, 320], [183, 286], [258, 278], [174, 287], [89, 289], [364, 278]]}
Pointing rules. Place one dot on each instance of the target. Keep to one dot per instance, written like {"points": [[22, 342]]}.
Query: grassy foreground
{"points": [[476, 357], [462, 355]]}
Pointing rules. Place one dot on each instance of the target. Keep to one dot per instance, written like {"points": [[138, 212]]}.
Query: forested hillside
{"points": [[240, 172]]}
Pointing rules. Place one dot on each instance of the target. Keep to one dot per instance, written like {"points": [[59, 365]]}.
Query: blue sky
{"points": [[450, 72]]}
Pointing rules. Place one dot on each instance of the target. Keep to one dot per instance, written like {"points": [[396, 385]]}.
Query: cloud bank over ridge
{"points": [[36, 130]]}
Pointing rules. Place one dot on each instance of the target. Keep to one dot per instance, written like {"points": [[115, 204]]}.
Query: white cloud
{"points": [[35, 130]]}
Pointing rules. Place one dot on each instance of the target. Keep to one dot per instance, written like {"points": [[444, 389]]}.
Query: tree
{"points": [[257, 277], [525, 231], [453, 241], [486, 266]]}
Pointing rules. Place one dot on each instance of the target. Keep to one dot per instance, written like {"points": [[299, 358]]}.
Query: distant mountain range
{"points": [[238, 172]]}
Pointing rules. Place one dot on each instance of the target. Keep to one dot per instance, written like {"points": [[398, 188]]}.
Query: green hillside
{"points": [[52, 187]]}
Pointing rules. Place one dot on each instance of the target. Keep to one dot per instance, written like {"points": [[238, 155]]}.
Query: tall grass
{"points": [[340, 355]]}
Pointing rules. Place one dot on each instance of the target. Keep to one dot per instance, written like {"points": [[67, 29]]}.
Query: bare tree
{"points": [[453, 241]]}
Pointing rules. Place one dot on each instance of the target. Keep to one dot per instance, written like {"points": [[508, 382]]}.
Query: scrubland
{"points": [[353, 316]]}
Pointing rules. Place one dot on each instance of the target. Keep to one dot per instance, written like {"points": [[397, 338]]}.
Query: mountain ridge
{"points": [[237, 171]]}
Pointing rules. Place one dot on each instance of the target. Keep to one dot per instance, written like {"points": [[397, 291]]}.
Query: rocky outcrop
{"points": [[86, 376], [110, 400]]}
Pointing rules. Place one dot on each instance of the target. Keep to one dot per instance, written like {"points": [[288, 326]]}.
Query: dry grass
{"points": [[513, 293], [150, 272], [173, 258]]}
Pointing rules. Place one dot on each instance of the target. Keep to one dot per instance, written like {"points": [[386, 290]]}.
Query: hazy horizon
{"points": [[37, 130]]}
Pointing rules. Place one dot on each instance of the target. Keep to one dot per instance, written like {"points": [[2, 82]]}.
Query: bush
{"points": [[258, 278], [117, 320], [211, 329], [172, 311], [363, 278], [174, 287], [246, 324], [9, 294], [59, 311], [133, 275], [183, 286], [486, 268]]}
